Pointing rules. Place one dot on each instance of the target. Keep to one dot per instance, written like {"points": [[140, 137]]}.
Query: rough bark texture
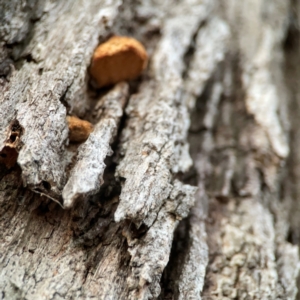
{"points": [[188, 186]]}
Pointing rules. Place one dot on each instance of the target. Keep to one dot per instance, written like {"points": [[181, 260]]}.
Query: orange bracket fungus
{"points": [[79, 130], [118, 59]]}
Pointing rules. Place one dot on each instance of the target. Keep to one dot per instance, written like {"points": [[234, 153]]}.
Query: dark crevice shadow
{"points": [[290, 186]]}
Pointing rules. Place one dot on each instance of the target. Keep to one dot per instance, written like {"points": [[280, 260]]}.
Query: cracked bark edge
{"points": [[87, 175], [192, 276], [150, 253], [213, 35], [32, 96], [211, 45], [158, 123]]}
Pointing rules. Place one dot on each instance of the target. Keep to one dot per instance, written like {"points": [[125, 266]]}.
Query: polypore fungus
{"points": [[79, 130], [118, 59]]}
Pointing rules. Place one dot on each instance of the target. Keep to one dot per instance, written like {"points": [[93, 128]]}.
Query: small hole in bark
{"points": [[13, 137], [222, 199], [46, 185], [41, 70], [15, 126], [292, 237], [29, 58], [122, 179]]}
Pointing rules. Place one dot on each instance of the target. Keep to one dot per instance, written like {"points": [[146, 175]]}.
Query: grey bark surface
{"points": [[188, 186]]}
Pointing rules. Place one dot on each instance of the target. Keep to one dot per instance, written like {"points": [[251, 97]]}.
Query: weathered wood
{"points": [[199, 197], [58, 54]]}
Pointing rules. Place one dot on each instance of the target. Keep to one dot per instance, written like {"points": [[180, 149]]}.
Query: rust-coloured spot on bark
{"points": [[79, 130], [118, 59]]}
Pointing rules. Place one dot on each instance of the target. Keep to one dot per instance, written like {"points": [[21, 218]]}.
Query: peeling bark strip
{"points": [[156, 145], [87, 175], [150, 253], [229, 71]]}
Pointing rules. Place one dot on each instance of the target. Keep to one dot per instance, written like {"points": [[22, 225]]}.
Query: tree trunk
{"points": [[187, 187]]}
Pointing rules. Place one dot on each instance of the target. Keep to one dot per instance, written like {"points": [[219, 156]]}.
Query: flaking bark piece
{"points": [[86, 177], [150, 253], [118, 59], [158, 123], [60, 48]]}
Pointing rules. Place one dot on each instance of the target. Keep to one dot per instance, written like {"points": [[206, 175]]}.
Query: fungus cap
{"points": [[118, 59]]}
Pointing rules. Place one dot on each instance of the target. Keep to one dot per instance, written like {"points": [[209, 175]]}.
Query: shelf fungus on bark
{"points": [[118, 59], [79, 130]]}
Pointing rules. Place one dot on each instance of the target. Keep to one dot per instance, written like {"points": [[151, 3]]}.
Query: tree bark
{"points": [[188, 186]]}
